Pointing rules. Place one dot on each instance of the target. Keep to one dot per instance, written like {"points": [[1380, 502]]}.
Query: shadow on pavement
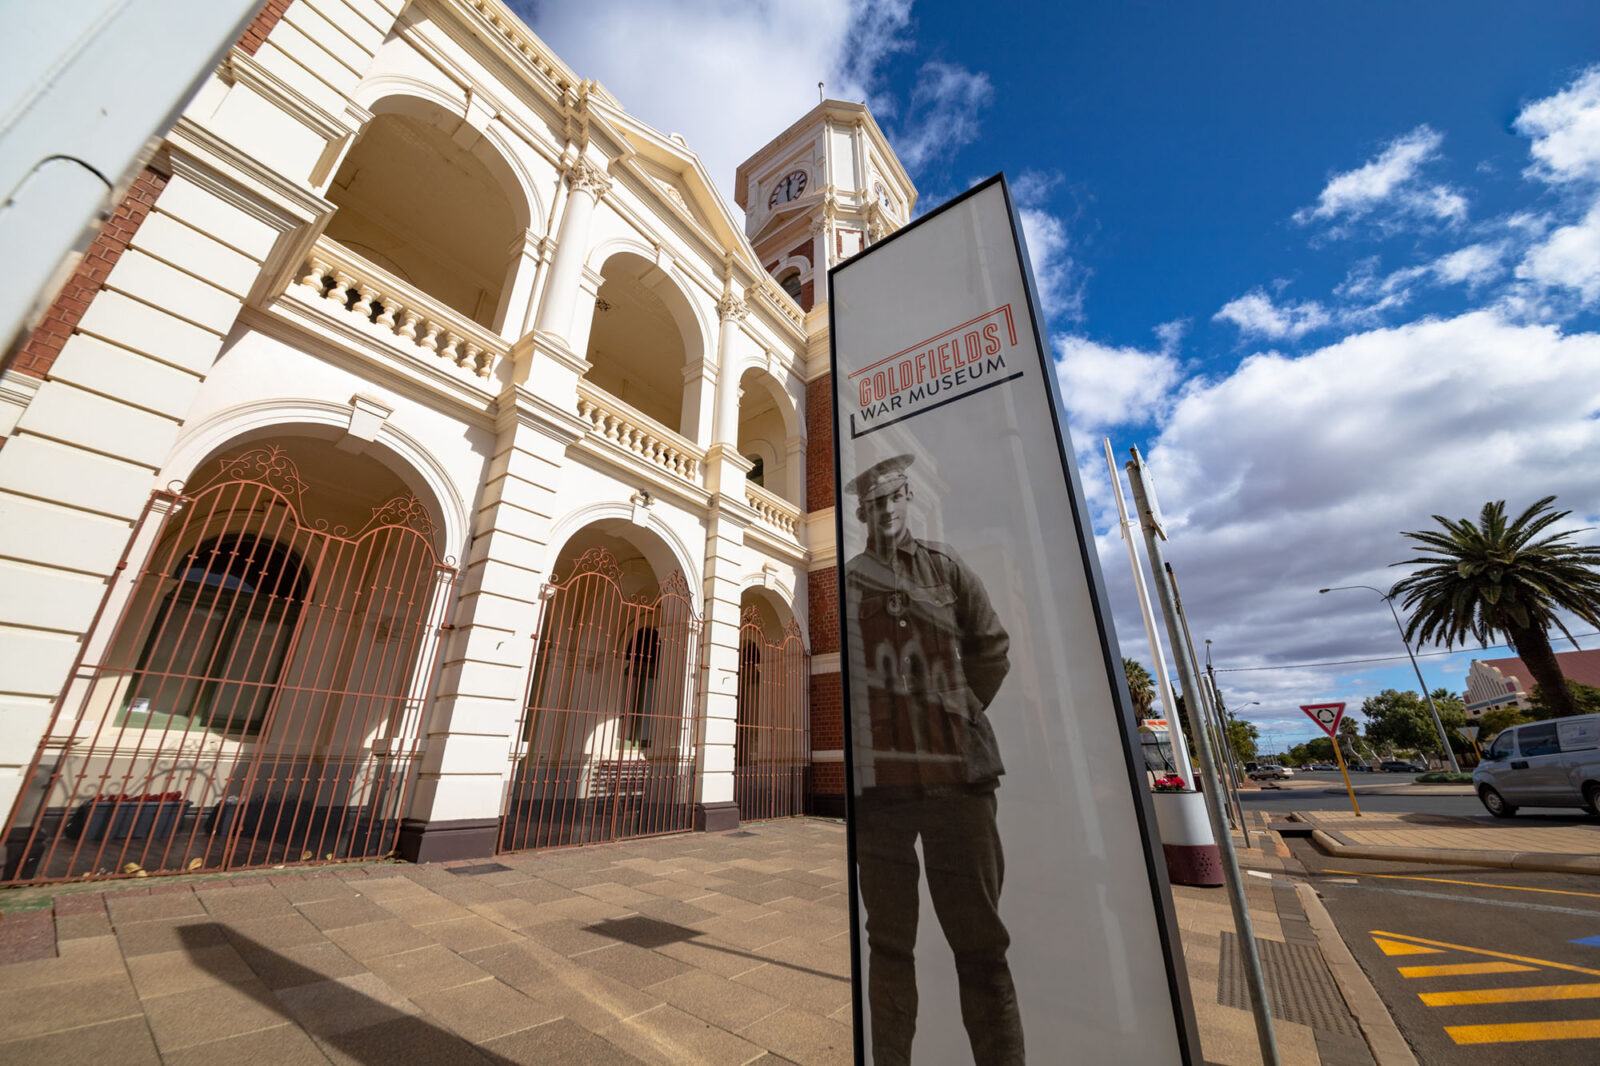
{"points": [[359, 1027]]}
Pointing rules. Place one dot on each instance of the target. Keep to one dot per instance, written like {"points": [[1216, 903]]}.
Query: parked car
{"points": [[1553, 763], [1400, 766], [1325, 767], [1271, 773]]}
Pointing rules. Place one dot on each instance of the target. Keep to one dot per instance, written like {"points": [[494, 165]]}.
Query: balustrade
{"points": [[638, 434], [773, 510], [411, 317]]}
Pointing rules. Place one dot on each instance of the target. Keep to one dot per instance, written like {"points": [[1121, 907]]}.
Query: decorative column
{"points": [[528, 255], [732, 310], [588, 183], [821, 251]]}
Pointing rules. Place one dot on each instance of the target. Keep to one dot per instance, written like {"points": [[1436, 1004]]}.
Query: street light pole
{"points": [[1438, 723]]}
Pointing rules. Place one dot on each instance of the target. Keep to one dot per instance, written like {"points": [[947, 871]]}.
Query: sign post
{"points": [[987, 726], [1471, 733], [1327, 716]]}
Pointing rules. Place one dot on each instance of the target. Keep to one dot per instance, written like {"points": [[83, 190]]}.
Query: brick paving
{"points": [[704, 948]]}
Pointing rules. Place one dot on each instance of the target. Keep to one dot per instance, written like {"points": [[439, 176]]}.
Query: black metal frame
{"points": [[1144, 811]]}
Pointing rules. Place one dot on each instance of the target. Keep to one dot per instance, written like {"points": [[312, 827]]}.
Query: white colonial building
{"points": [[425, 458]]}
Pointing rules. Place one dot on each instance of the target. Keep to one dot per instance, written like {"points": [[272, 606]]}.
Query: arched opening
{"points": [[608, 741], [643, 336], [790, 283], [766, 422], [434, 214], [256, 698], [772, 739]]}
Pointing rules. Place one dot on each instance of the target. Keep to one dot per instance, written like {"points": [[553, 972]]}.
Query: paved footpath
{"points": [[1513, 844], [720, 948]]}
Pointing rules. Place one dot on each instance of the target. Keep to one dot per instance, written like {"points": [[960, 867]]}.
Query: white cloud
{"points": [[1058, 274], [1257, 316], [945, 104], [1389, 186], [1106, 386], [1565, 129], [1569, 258], [1292, 474], [740, 72]]}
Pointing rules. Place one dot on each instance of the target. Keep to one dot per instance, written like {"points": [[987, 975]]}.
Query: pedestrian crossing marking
{"points": [[1463, 969], [1503, 962], [1526, 994], [1484, 951], [1587, 1029], [1395, 947]]}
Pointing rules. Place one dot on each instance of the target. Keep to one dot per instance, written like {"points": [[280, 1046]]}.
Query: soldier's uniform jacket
{"points": [[928, 654]]}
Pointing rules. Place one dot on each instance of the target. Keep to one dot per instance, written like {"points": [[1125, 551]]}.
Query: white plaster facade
{"points": [[538, 319]]}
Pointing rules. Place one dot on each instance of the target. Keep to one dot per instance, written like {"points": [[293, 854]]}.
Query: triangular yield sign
{"points": [[1395, 947]]}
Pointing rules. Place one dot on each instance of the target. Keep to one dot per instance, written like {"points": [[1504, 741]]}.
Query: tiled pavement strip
{"points": [[721, 948], [1513, 844]]}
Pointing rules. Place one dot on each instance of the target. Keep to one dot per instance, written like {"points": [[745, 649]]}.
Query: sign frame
{"points": [[1311, 709], [1166, 925]]}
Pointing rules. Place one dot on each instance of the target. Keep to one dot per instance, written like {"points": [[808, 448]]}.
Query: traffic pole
{"points": [[1337, 754], [1255, 981]]}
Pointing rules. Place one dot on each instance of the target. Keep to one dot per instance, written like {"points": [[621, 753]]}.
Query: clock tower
{"points": [[819, 192]]}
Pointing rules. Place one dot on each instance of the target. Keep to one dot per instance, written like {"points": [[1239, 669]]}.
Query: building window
{"points": [[791, 284], [757, 474], [212, 659]]}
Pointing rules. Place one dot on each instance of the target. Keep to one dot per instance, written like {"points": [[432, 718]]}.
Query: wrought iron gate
{"points": [[772, 747], [608, 734], [256, 696]]}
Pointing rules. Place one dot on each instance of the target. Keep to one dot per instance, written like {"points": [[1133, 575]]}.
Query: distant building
{"points": [[1496, 683]]}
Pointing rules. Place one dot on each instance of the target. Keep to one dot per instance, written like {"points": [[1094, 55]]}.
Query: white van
{"points": [[1553, 763]]}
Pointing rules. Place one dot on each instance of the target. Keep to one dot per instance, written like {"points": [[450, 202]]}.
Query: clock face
{"points": [[884, 199], [789, 186]]}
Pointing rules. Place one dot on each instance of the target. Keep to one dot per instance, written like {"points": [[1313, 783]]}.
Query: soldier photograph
{"points": [[927, 656]]}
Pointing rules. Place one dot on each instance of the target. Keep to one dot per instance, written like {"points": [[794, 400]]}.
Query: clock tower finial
{"points": [[820, 192]]}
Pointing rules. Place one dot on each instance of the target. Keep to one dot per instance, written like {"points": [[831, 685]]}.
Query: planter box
{"points": [[119, 820]]}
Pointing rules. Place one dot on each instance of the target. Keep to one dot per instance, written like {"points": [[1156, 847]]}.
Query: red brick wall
{"points": [[39, 351], [827, 712], [819, 443], [827, 778], [822, 605], [257, 31]]}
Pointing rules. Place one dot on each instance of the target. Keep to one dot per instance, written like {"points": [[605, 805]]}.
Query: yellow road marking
{"points": [[1462, 969], [1394, 947], [1484, 951], [1474, 884], [1586, 1029], [1526, 994]]}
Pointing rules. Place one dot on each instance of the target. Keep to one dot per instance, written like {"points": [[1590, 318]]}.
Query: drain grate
{"points": [[1299, 985], [478, 868]]}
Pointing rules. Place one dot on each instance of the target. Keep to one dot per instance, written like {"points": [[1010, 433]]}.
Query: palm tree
{"points": [[1494, 577], [1141, 686]]}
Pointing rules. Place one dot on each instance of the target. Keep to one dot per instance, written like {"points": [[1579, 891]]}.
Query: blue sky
{"points": [[1333, 267]]}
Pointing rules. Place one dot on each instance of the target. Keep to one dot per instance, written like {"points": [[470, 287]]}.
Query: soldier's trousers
{"points": [[965, 867]]}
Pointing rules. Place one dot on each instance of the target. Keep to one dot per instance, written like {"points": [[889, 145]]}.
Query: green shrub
{"points": [[1444, 778]]}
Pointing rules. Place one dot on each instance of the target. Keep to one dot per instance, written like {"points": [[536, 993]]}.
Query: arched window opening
{"points": [[213, 656], [791, 284], [418, 205], [765, 415], [641, 339]]}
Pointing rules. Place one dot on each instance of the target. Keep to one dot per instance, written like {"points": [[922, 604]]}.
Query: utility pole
{"points": [[1255, 981]]}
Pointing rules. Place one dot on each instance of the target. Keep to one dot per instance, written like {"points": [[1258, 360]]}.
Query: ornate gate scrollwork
{"points": [[772, 747], [608, 743], [251, 693]]}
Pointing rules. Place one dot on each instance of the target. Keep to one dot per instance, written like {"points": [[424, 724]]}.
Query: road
{"points": [[1296, 796], [1478, 966]]}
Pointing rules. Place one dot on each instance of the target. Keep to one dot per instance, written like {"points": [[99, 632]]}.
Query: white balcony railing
{"points": [[773, 510], [396, 311], [638, 434]]}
